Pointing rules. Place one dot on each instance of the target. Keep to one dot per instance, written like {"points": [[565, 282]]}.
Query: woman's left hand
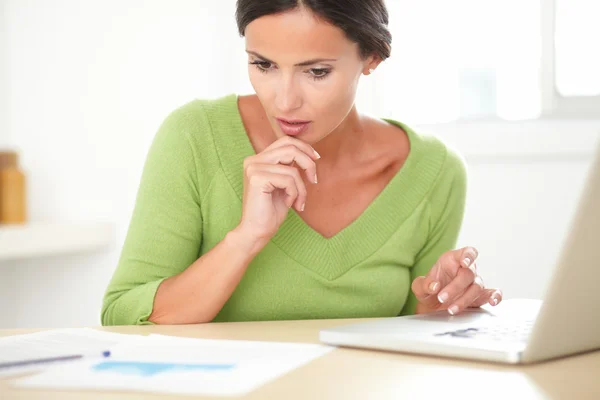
{"points": [[453, 284]]}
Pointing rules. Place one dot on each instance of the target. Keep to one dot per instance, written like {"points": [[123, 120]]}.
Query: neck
{"points": [[344, 142]]}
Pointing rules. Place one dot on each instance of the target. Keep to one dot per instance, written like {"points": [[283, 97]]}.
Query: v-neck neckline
{"points": [[331, 257]]}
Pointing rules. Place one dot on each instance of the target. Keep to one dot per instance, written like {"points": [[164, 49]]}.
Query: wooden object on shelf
{"points": [[13, 204]]}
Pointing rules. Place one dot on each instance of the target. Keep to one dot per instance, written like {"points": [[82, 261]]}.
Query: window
{"points": [[577, 54], [460, 59], [468, 59]]}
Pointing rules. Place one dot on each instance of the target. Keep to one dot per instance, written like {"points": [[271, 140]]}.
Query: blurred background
{"points": [[513, 85]]}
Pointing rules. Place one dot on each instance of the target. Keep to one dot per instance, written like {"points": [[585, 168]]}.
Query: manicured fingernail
{"points": [[433, 287], [317, 154], [442, 297], [316, 181], [467, 261], [302, 208], [453, 310], [473, 268]]}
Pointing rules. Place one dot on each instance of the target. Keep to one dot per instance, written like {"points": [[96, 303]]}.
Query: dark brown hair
{"points": [[364, 21]]}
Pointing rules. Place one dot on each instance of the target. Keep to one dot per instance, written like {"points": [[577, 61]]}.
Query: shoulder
{"points": [[449, 189], [196, 123], [433, 152], [440, 170], [454, 166], [454, 170], [201, 115], [185, 137]]}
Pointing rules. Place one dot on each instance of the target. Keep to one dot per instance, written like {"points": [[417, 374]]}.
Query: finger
{"points": [[466, 256], [303, 146], [463, 279], [466, 299], [268, 182], [284, 170], [434, 271], [288, 155], [473, 268], [425, 289], [489, 296]]}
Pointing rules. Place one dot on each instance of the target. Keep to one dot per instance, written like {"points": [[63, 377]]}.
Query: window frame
{"points": [[554, 104]]}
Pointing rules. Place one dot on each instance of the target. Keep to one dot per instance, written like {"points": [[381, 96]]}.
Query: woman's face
{"points": [[304, 71]]}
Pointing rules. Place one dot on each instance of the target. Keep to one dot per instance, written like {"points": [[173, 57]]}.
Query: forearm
{"points": [[197, 294]]}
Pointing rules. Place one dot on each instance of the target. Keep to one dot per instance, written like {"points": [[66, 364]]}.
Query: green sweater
{"points": [[190, 196]]}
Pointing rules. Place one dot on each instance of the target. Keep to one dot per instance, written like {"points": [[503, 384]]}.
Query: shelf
{"points": [[51, 239]]}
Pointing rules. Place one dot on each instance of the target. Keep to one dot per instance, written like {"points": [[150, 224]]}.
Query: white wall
{"points": [[89, 82], [3, 86], [7, 312]]}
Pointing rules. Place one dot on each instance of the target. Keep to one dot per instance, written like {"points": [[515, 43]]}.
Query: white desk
{"points": [[363, 374]]}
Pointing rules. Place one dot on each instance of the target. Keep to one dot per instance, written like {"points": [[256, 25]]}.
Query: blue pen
{"points": [[48, 360]]}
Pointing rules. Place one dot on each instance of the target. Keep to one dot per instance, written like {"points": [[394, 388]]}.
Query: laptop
{"points": [[520, 331]]}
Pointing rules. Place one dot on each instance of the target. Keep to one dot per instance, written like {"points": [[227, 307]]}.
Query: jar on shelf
{"points": [[13, 207]]}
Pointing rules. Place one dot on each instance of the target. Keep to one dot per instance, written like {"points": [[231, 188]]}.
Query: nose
{"points": [[288, 96]]}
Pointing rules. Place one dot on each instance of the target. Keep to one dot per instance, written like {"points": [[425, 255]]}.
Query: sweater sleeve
{"points": [[447, 208], [165, 231]]}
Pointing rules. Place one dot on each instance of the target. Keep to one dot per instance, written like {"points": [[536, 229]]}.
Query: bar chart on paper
{"points": [[136, 368]]}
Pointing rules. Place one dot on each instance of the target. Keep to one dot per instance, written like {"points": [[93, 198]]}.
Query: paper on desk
{"points": [[184, 366], [55, 343]]}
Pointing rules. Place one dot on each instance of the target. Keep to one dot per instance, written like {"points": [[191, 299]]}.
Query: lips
{"points": [[292, 127]]}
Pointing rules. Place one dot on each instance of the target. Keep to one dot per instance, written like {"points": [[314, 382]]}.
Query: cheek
{"points": [[261, 85], [336, 98]]}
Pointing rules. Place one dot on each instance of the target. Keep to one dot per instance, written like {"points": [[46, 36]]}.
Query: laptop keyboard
{"points": [[515, 332]]}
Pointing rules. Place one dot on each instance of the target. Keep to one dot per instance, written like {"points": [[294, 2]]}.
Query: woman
{"points": [[289, 204]]}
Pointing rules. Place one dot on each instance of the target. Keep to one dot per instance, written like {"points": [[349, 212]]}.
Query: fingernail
{"points": [[453, 310], [442, 297], [302, 208], [433, 287], [316, 181], [467, 261], [473, 268], [317, 154], [494, 301]]}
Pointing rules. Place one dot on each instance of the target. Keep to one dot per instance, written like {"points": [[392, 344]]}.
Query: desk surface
{"points": [[364, 374]]}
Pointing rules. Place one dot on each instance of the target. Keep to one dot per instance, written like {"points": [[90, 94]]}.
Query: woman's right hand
{"points": [[273, 183]]}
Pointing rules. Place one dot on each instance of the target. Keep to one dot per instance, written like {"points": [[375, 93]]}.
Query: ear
{"points": [[371, 64]]}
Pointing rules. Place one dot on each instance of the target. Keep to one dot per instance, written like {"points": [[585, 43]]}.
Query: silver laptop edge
{"points": [[569, 319]]}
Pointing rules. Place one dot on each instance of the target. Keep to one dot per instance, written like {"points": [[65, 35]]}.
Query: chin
{"points": [[308, 137]]}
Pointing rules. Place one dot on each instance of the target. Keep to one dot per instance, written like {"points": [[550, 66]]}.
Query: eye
{"points": [[319, 73], [262, 66]]}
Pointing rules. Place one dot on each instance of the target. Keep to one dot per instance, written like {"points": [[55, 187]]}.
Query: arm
{"points": [[447, 205], [197, 294], [159, 277]]}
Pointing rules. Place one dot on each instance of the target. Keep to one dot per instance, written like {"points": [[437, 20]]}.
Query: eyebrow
{"points": [[302, 64]]}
